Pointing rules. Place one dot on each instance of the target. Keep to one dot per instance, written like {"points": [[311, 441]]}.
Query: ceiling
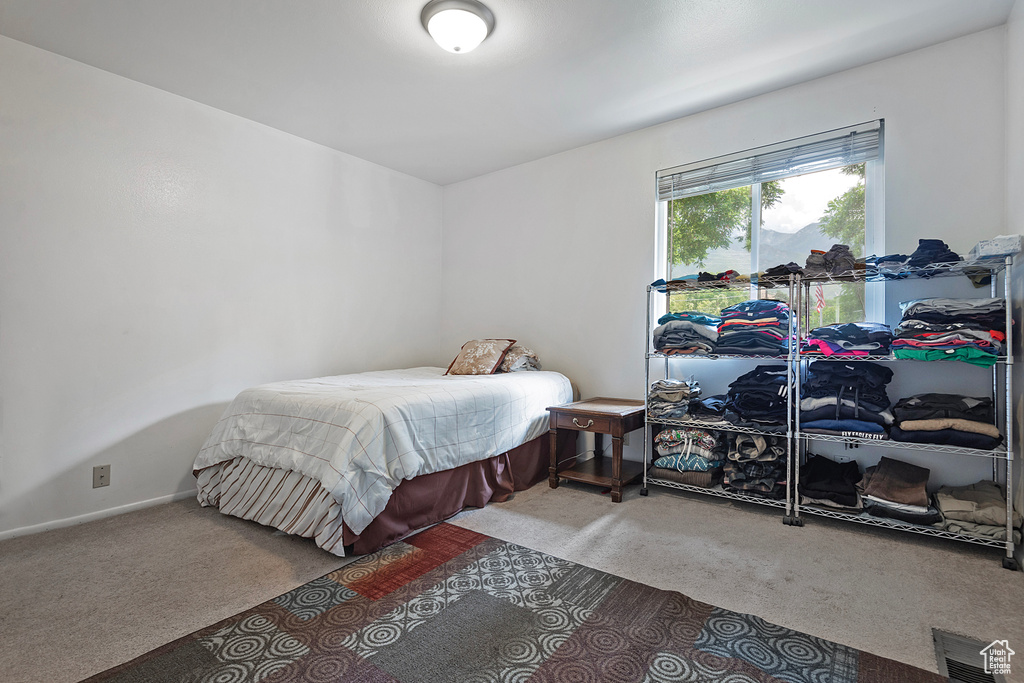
{"points": [[363, 77]]}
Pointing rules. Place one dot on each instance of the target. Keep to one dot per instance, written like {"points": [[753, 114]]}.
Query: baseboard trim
{"points": [[93, 516]]}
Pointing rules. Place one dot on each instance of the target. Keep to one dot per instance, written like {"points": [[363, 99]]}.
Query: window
{"points": [[772, 205]]}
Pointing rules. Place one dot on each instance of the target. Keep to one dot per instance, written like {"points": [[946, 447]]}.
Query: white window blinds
{"points": [[833, 149]]}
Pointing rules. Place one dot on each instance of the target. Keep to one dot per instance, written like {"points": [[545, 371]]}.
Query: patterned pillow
{"points": [[480, 357], [520, 358]]}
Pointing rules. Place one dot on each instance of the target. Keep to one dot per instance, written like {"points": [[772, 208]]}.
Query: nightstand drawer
{"points": [[602, 425]]}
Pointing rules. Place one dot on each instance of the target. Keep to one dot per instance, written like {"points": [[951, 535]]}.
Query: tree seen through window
{"points": [[713, 232]]}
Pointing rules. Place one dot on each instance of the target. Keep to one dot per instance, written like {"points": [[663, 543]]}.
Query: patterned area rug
{"points": [[453, 605]]}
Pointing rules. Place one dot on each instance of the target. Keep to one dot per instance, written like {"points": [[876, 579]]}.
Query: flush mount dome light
{"points": [[457, 25]]}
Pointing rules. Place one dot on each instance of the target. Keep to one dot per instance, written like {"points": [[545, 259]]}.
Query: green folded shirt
{"points": [[967, 354]]}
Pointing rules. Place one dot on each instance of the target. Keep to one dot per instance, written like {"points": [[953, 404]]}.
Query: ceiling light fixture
{"points": [[457, 25]]}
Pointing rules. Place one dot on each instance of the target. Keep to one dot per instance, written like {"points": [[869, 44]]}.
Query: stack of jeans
{"points": [[754, 328], [688, 332], [846, 399], [670, 398], [969, 330], [930, 252], [759, 397], [947, 419], [756, 465], [850, 339]]}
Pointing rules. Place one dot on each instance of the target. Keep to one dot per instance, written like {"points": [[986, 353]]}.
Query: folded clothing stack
{"points": [[670, 398], [849, 339], [688, 332], [931, 251], [689, 456], [723, 277], [978, 509], [688, 448], [946, 419], [760, 396], [783, 270], [759, 327], [697, 280], [969, 330], [898, 490], [846, 399], [681, 282], [830, 484], [756, 466], [890, 266], [836, 261], [712, 410]]}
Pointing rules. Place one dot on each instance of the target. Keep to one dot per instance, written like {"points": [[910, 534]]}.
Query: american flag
{"points": [[819, 295]]}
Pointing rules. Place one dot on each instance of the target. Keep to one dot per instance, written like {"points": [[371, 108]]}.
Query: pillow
{"points": [[480, 357], [520, 358]]}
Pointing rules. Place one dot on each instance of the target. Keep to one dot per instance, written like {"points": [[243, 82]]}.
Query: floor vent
{"points": [[961, 660]]}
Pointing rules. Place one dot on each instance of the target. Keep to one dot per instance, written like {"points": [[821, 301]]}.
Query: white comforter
{"points": [[361, 435]]}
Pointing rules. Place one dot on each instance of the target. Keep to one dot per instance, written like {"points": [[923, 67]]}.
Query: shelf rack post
{"points": [[1009, 562], [647, 390], [795, 364]]}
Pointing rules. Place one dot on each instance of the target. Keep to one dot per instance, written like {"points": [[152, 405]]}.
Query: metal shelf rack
{"points": [[798, 288], [1002, 458], [758, 284]]}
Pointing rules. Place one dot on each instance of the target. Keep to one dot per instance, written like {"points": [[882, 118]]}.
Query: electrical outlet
{"points": [[100, 476], [625, 439]]}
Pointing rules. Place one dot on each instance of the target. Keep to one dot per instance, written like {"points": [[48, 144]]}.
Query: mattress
{"points": [[359, 436]]}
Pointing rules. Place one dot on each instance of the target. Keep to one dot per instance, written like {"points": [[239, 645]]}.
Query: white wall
{"points": [[157, 257], [557, 252]]}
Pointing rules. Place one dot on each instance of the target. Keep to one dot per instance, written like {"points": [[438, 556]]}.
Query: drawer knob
{"points": [[589, 423]]}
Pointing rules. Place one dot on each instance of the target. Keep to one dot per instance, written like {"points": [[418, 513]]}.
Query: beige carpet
{"points": [[76, 601]]}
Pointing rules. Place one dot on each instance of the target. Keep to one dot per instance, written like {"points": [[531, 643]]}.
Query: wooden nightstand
{"points": [[614, 416]]}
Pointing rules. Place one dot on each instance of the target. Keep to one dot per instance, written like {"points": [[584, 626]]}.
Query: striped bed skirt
{"points": [[296, 504]]}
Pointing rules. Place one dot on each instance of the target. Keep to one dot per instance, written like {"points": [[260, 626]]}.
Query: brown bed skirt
{"points": [[296, 504], [431, 498]]}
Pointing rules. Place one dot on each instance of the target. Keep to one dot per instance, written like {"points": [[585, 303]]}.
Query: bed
{"points": [[359, 461]]}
